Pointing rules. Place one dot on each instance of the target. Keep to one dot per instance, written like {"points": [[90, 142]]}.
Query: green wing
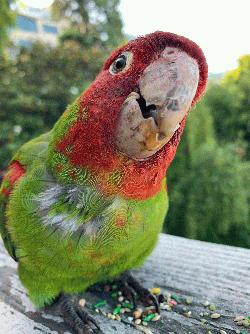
{"points": [[19, 165], [3, 229]]}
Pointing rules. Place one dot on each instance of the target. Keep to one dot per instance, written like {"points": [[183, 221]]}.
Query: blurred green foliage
{"points": [[35, 87], [37, 83], [7, 19], [209, 179], [229, 104], [92, 23]]}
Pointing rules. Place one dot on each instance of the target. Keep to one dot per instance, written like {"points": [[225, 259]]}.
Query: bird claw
{"points": [[77, 318], [129, 292], [130, 286], [154, 300]]}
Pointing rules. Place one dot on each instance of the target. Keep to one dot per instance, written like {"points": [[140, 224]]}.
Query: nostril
{"points": [[150, 111], [147, 111], [141, 101], [170, 52]]}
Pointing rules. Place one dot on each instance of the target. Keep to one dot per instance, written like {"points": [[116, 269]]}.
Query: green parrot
{"points": [[85, 202]]}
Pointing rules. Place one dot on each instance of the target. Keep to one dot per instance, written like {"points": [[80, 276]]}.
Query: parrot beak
{"points": [[150, 116]]}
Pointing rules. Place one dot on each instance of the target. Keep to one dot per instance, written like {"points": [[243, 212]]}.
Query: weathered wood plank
{"points": [[205, 271]]}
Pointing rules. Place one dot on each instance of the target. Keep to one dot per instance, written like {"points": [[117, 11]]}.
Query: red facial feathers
{"points": [[90, 141]]}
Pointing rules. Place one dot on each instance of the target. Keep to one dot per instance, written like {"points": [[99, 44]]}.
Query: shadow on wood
{"points": [[186, 268]]}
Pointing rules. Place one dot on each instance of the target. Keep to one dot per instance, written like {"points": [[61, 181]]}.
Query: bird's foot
{"points": [[131, 286], [75, 316]]}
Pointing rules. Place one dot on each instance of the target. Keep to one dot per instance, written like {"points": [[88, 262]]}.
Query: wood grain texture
{"points": [[205, 271]]}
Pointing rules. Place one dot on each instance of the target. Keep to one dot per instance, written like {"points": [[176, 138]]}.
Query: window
{"points": [[24, 43], [50, 29], [26, 23]]}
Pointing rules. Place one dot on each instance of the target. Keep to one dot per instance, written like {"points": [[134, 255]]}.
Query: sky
{"points": [[220, 27]]}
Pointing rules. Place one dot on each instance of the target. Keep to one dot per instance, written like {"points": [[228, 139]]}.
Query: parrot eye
{"points": [[121, 63]]}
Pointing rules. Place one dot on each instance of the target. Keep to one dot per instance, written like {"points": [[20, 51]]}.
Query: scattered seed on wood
{"points": [[223, 332], [245, 323], [127, 305], [203, 321], [206, 303], [157, 317], [166, 307], [137, 321], [215, 315], [82, 302], [117, 310], [156, 291], [167, 295], [137, 314], [189, 300], [150, 308], [239, 323], [176, 298], [127, 310], [149, 317], [121, 299], [172, 302], [144, 323], [212, 307], [188, 314], [100, 303]]}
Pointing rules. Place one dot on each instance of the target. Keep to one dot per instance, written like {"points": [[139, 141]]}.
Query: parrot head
{"points": [[132, 116]]}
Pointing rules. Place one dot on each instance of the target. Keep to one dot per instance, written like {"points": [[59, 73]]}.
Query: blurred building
{"points": [[34, 24]]}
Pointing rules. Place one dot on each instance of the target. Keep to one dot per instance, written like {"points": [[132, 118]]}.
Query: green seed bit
{"points": [[212, 307], [176, 298], [127, 305], [117, 310], [149, 317], [189, 300], [100, 304]]}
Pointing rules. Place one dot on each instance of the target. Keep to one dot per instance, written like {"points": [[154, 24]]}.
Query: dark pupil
{"points": [[120, 63]]}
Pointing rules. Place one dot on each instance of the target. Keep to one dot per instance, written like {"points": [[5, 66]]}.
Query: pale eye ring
{"points": [[121, 63]]}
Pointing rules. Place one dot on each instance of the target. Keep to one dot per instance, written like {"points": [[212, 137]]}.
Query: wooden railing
{"points": [[204, 278]]}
